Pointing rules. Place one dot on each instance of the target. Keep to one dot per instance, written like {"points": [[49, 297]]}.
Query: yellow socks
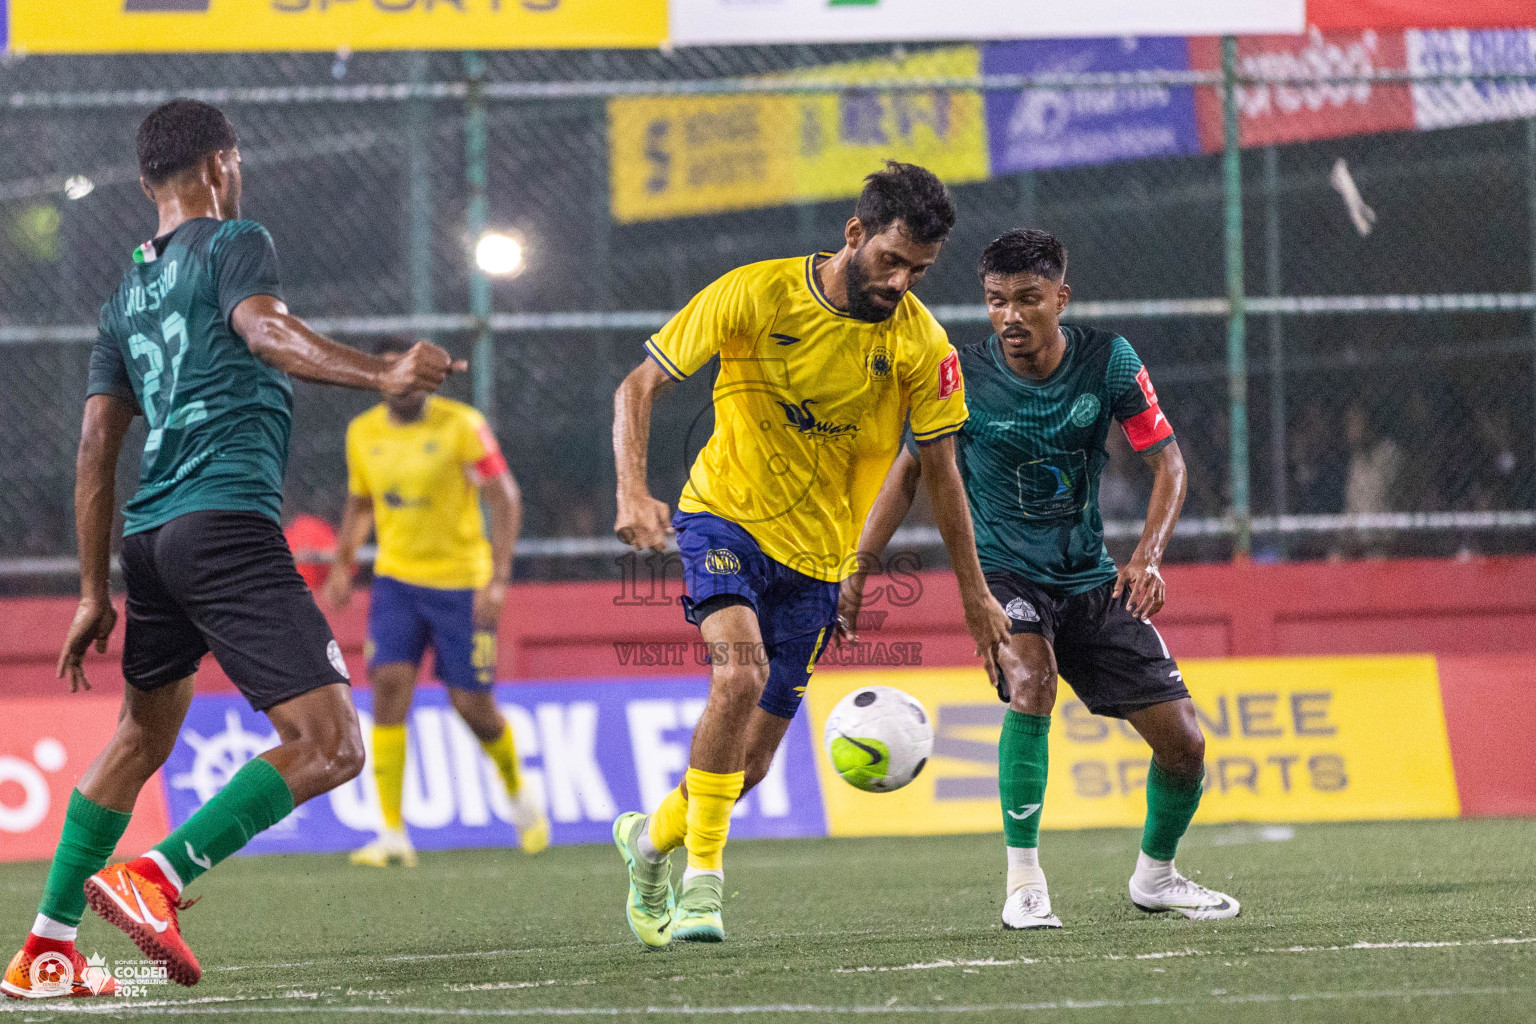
{"points": [[711, 798], [503, 754], [668, 825], [389, 771]]}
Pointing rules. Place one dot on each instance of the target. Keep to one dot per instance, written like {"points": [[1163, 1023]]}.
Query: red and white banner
{"points": [[45, 747], [1339, 14], [1272, 113]]}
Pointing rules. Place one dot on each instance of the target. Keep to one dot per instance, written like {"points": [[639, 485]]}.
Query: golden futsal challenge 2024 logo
{"points": [[54, 972]]}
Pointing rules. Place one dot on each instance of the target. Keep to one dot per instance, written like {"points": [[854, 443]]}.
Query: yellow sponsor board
{"points": [[191, 26], [1287, 739], [686, 155]]}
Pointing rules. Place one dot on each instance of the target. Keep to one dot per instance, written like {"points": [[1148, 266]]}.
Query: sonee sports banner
{"points": [[196, 26]]}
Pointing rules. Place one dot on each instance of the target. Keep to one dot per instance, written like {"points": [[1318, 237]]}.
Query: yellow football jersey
{"points": [[423, 478], [809, 407]]}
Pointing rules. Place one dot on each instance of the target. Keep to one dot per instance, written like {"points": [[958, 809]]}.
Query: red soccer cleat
{"points": [[138, 898], [53, 969]]}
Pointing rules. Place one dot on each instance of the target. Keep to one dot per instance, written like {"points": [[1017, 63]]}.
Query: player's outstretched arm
{"points": [[1141, 579], [643, 521], [101, 440], [984, 617], [886, 516], [286, 343]]}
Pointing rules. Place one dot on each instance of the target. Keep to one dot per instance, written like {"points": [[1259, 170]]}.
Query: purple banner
{"points": [[590, 750], [1040, 128]]}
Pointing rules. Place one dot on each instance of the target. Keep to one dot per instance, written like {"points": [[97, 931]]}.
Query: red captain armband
{"points": [[1149, 426], [949, 375], [492, 464]]}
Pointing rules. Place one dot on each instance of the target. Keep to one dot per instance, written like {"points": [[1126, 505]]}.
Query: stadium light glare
{"points": [[501, 254], [78, 186]]}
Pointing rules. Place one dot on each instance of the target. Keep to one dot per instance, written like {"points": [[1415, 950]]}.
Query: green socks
{"points": [[1022, 759], [254, 800], [91, 832], [1171, 803]]}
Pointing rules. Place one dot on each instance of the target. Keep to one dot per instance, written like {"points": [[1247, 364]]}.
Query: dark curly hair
{"points": [[176, 135], [1025, 251], [911, 194]]}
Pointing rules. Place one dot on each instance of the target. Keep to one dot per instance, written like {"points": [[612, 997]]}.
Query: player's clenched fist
{"points": [[643, 522], [423, 367]]}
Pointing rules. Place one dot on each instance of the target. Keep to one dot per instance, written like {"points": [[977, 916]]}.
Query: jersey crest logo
{"points": [[1021, 610], [722, 562], [880, 363], [805, 422], [1085, 410], [949, 375]]}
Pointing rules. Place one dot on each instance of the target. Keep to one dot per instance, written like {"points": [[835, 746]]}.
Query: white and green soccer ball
{"points": [[878, 738]]}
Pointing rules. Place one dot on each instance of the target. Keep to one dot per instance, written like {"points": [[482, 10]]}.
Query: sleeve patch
{"points": [[949, 375], [1147, 427], [492, 464], [1144, 381]]}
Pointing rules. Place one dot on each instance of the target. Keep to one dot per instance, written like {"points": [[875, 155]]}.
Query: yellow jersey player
{"points": [[416, 467], [822, 360]]}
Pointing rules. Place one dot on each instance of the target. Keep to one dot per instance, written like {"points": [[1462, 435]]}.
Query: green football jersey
{"points": [[1032, 452], [219, 418]]}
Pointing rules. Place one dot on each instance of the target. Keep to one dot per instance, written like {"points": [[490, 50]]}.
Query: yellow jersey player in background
{"points": [[417, 465], [822, 360]]}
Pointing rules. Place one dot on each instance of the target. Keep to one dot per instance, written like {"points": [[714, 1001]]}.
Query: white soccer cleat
{"points": [[390, 847], [1191, 899], [1029, 907]]}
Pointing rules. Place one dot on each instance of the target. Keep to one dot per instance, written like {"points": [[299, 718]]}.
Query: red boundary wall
{"points": [[1478, 616]]}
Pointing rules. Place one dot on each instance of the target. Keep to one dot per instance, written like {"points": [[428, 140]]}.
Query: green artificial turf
{"points": [[897, 928]]}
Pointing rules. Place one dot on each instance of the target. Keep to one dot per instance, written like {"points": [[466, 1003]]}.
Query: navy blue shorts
{"points": [[403, 619], [796, 613]]}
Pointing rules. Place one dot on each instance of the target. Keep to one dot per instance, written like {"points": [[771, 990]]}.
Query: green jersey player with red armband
{"points": [[1041, 397]]}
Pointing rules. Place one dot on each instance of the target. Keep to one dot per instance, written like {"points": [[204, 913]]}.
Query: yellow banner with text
{"points": [[192, 26], [684, 155], [1287, 740]]}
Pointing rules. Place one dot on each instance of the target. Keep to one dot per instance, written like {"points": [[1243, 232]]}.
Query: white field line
{"points": [[202, 1008], [931, 965]]}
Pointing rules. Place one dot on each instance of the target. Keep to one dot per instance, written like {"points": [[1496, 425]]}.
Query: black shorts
{"points": [[1115, 663], [224, 582]]}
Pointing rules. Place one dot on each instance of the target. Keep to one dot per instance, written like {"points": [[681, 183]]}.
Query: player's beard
{"points": [[861, 304]]}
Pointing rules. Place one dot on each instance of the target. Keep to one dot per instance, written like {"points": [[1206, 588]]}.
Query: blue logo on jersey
{"points": [[1063, 482], [805, 422], [784, 339]]}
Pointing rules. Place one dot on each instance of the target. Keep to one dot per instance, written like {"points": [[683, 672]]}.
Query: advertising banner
{"points": [[1419, 13], [589, 751], [1039, 128], [1458, 51], [1271, 114], [46, 744], [700, 22], [1295, 739], [174, 26], [686, 155]]}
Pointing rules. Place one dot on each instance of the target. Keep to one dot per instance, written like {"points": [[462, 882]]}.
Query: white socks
{"points": [[691, 873], [1024, 868], [46, 927], [1151, 874], [647, 848]]}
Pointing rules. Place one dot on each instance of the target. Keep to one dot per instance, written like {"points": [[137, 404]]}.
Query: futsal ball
{"points": [[878, 738]]}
